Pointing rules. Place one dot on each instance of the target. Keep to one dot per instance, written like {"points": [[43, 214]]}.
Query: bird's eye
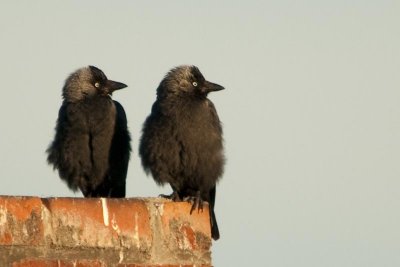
{"points": [[97, 85], [194, 84]]}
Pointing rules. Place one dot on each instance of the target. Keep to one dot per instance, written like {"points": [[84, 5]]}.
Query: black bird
{"points": [[91, 148], [182, 142]]}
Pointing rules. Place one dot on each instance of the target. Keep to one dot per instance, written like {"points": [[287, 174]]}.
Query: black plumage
{"points": [[91, 148], [182, 142]]}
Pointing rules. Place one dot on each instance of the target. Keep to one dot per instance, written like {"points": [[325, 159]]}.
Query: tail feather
{"points": [[213, 219], [214, 225]]}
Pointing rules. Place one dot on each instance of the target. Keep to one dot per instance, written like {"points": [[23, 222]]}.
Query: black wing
{"points": [[119, 154], [69, 149]]}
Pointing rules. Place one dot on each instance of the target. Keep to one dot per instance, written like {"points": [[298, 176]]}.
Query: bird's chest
{"points": [[197, 127], [96, 116], [101, 117]]}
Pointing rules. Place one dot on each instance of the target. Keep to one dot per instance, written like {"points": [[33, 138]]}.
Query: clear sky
{"points": [[311, 112]]}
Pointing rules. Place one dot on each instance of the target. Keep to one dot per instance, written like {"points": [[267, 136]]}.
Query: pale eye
{"points": [[97, 85], [194, 83]]}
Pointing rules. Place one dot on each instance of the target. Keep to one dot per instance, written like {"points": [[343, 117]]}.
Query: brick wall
{"points": [[78, 232]]}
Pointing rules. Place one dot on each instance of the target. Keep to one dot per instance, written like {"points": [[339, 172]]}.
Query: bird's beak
{"points": [[113, 85], [212, 87]]}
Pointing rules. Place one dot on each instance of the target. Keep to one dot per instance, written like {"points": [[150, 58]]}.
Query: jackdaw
{"points": [[182, 142], [91, 148]]}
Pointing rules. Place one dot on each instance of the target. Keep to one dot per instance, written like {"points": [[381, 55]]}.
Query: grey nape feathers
{"points": [[91, 148], [182, 141]]}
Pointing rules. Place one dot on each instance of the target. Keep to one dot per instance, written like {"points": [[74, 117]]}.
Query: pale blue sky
{"points": [[311, 112]]}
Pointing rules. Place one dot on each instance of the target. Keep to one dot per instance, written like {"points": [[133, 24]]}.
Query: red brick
{"points": [[20, 221], [89, 263], [58, 263], [42, 263], [144, 230], [77, 222], [130, 218], [188, 231], [100, 222], [161, 265], [79, 208]]}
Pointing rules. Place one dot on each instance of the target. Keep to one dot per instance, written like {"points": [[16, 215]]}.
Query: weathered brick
{"points": [[58, 263], [77, 222], [42, 263], [20, 221], [58, 232], [162, 265], [89, 263], [99, 222], [130, 219], [188, 231]]}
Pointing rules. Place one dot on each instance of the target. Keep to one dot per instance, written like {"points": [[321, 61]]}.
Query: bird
{"points": [[91, 147], [182, 143]]}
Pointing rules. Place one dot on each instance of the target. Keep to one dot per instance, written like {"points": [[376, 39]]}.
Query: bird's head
{"points": [[89, 82], [186, 81]]}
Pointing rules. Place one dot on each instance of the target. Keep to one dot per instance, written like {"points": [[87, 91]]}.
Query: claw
{"points": [[196, 201], [174, 196]]}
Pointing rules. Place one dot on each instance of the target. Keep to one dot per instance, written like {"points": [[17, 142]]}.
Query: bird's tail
{"points": [[214, 226], [213, 219]]}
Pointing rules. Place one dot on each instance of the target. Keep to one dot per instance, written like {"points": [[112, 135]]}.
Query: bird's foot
{"points": [[196, 201], [174, 196]]}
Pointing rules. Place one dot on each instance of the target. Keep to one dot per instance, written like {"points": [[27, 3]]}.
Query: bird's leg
{"points": [[174, 196], [196, 201]]}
